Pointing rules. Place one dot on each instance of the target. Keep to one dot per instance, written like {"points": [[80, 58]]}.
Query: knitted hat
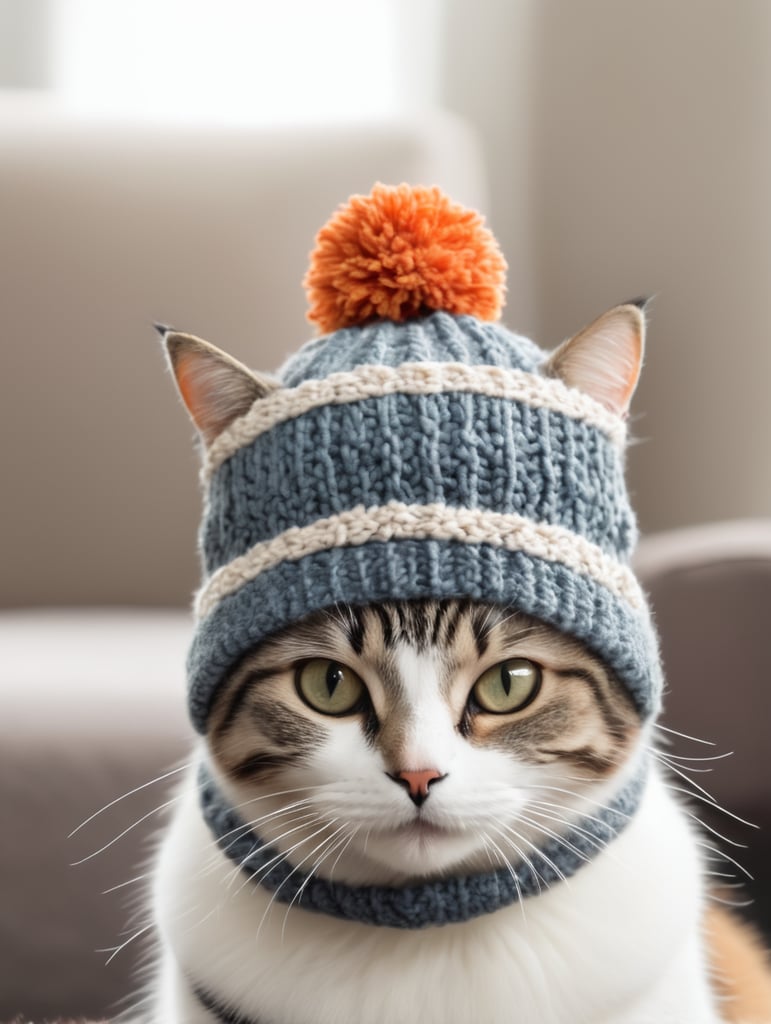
{"points": [[418, 449]]}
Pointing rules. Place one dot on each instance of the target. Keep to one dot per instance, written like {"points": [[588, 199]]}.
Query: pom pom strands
{"points": [[399, 253]]}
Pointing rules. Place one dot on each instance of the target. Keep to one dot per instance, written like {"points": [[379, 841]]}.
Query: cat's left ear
{"points": [[605, 358], [215, 387]]}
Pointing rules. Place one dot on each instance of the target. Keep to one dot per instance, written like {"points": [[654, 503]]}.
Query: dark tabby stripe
{"points": [[385, 625], [257, 765], [458, 611], [419, 623], [354, 630], [238, 697], [584, 757], [480, 629], [441, 612], [615, 724]]}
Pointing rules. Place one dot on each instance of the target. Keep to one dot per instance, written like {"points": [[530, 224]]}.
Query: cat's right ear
{"points": [[215, 388]]}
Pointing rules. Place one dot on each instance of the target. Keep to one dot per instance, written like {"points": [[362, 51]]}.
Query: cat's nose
{"points": [[417, 783]]}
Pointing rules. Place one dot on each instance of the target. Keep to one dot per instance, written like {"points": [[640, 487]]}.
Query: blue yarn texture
{"points": [[457, 449], [451, 900], [462, 450]]}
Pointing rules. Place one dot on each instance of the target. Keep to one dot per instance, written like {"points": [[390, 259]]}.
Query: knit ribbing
{"points": [[397, 521], [437, 338], [445, 901], [410, 569], [411, 379], [458, 449]]}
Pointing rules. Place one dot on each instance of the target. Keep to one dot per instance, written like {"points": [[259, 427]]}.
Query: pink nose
{"points": [[417, 783]]}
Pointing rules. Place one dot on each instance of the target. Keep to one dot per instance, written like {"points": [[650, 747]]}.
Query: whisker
{"points": [[580, 796], [507, 865], [520, 853], [487, 851], [566, 821], [126, 831], [122, 885], [319, 861], [714, 831], [672, 767], [258, 875], [710, 802], [131, 792], [274, 794], [540, 853], [589, 836], [113, 951], [683, 735], [722, 855], [248, 826], [298, 820], [305, 821], [342, 851], [681, 757], [297, 866], [557, 837], [733, 904]]}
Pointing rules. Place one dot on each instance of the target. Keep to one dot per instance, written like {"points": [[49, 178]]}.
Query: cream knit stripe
{"points": [[398, 521], [410, 379]]}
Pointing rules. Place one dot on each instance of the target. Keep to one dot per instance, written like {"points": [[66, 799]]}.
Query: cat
{"points": [[411, 802], [316, 788]]}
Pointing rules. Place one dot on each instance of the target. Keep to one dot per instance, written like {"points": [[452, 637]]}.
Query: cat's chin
{"points": [[416, 851]]}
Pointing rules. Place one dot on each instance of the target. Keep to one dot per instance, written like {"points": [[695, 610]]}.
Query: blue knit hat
{"points": [[418, 450]]}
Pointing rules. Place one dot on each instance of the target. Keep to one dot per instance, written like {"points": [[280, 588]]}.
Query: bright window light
{"points": [[233, 60]]}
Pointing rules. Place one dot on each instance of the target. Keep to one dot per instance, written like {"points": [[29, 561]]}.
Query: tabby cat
{"points": [[424, 789]]}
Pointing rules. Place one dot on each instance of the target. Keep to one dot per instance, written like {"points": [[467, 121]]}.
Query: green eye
{"points": [[329, 687], [508, 687]]}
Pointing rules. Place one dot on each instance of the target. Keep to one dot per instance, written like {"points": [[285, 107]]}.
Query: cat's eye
{"points": [[329, 687], [508, 687]]}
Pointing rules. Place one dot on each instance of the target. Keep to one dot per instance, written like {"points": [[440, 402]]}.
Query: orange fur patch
{"points": [[400, 252], [740, 967]]}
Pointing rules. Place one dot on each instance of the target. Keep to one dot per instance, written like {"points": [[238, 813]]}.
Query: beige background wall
{"points": [[106, 227]]}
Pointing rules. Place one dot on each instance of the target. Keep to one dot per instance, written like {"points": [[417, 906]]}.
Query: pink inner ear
{"points": [[195, 386], [605, 359], [215, 389]]}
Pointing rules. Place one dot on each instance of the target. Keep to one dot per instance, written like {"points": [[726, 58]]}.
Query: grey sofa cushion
{"points": [[92, 706]]}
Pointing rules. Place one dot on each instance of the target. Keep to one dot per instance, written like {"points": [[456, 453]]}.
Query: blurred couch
{"points": [[107, 227]]}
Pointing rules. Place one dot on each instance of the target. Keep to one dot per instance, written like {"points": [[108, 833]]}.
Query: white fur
{"points": [[618, 943]]}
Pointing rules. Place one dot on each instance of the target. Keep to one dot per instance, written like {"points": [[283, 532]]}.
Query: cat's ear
{"points": [[605, 358], [215, 388]]}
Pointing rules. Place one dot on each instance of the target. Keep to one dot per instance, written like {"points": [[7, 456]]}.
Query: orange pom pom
{"points": [[399, 253]]}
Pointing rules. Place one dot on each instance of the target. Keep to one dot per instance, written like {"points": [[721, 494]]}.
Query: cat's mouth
{"points": [[420, 848], [424, 831]]}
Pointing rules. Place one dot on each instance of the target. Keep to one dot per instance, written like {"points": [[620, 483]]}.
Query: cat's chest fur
{"points": [[617, 944]]}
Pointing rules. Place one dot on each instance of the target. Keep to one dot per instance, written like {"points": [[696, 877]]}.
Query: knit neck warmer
{"points": [[449, 900]]}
